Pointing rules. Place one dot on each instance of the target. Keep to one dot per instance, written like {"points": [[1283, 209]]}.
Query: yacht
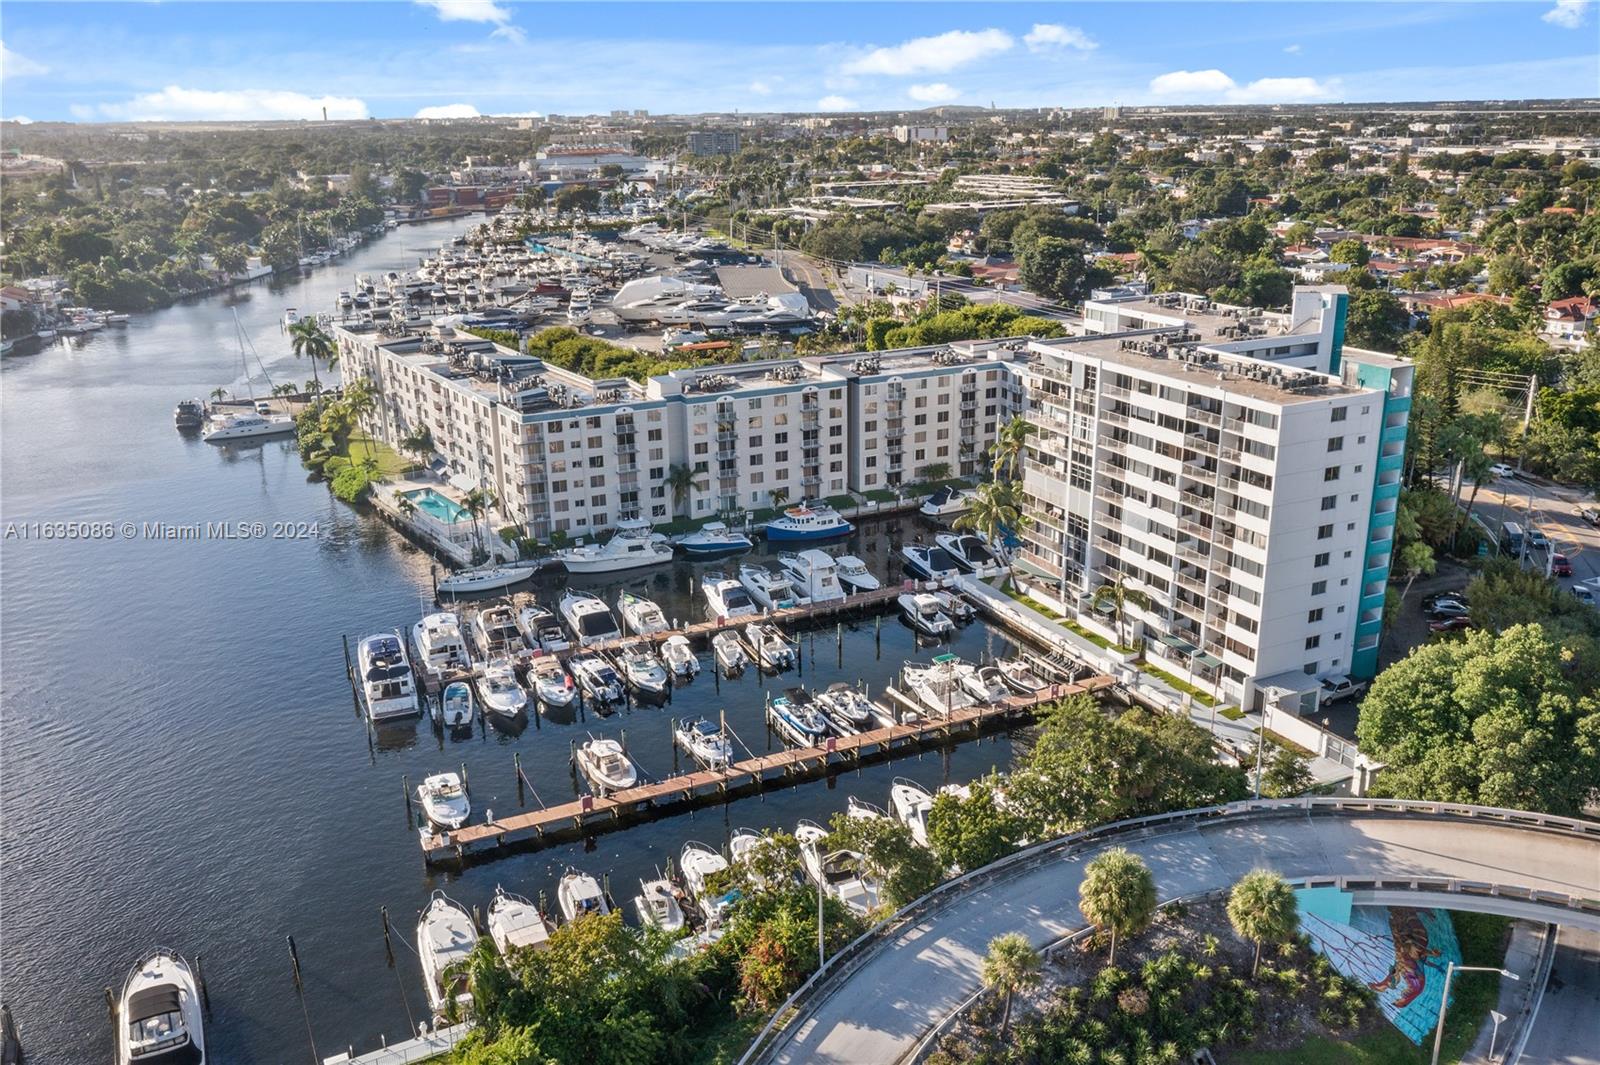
{"points": [[494, 630], [158, 1018], [484, 579], [862, 810], [986, 685], [911, 804], [816, 521], [441, 651], [657, 906], [516, 924], [579, 894], [841, 874], [444, 800], [846, 706], [386, 681], [714, 538], [768, 646], [704, 741], [454, 709], [729, 651], [955, 608], [606, 766], [643, 671], [814, 573], [499, 691], [640, 615], [969, 551], [924, 613], [937, 687], [680, 658], [797, 718], [597, 679], [929, 563], [946, 501], [742, 844], [588, 619], [445, 936], [771, 591], [699, 863], [726, 597], [855, 576], [552, 684], [632, 546], [245, 425], [189, 414], [1019, 676], [542, 630]]}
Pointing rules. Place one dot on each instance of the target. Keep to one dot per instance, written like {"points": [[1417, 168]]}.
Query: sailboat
{"points": [[224, 427]]}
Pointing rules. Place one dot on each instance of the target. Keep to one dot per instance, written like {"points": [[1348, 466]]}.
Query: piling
{"points": [[516, 764], [388, 944], [405, 789], [465, 786], [200, 978]]}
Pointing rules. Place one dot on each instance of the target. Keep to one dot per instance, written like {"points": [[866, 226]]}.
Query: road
{"points": [[1552, 509], [921, 974], [1566, 1030]]}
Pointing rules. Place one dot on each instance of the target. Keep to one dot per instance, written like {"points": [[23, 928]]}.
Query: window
{"points": [[1314, 616], [1318, 587], [1331, 473], [1311, 669], [1313, 642], [1339, 414], [1321, 560], [1329, 502], [1336, 443], [1324, 532]]}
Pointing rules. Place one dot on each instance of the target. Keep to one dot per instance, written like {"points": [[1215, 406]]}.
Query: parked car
{"points": [[1537, 540], [1584, 593], [1446, 606], [1340, 687], [1560, 565], [1500, 469], [1456, 624], [1590, 515], [1428, 602]]}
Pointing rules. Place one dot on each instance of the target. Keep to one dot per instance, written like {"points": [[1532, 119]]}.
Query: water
{"points": [[182, 764], [439, 506]]}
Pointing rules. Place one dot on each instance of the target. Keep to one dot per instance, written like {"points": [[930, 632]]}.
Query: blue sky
{"points": [[177, 61]]}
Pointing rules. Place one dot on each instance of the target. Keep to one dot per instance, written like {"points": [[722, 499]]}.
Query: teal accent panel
{"points": [[1341, 307]]}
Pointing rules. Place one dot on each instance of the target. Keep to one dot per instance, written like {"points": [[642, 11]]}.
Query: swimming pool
{"points": [[437, 506]]}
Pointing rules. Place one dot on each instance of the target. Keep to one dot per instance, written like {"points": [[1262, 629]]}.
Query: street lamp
{"points": [[1444, 999]]}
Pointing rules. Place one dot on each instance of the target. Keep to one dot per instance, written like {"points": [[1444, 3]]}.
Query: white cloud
{"points": [[937, 93], [514, 34], [760, 88], [936, 55], [468, 11], [21, 120], [1292, 49], [177, 104], [1191, 83], [449, 111], [1214, 85], [1568, 14], [1047, 35], [836, 103], [13, 65]]}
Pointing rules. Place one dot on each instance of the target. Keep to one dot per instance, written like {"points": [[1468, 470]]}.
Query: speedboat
{"points": [[946, 501], [441, 650], [768, 646], [1019, 676], [445, 936], [516, 924], [862, 810], [855, 576], [726, 597], [911, 804], [499, 691], [444, 800], [969, 551], [588, 619], [986, 685], [841, 873], [846, 706], [606, 765], [937, 687], [541, 629], [797, 718], [495, 631], [729, 650], [742, 844], [386, 681], [552, 684], [597, 679], [815, 574], [641, 668], [484, 579], [923, 612], [679, 656], [714, 538], [159, 1014], [579, 894], [632, 546], [704, 741], [640, 615], [929, 563], [955, 608], [816, 521], [189, 414], [772, 591], [455, 706], [246, 425], [657, 906], [699, 863]]}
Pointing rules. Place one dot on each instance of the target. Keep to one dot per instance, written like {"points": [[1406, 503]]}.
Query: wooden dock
{"points": [[592, 815]]}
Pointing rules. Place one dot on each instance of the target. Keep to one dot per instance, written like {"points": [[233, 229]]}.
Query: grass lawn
{"points": [[1232, 713], [843, 502], [390, 462], [880, 495], [1202, 697]]}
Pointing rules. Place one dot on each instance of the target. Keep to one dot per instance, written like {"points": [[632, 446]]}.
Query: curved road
{"points": [[926, 968]]}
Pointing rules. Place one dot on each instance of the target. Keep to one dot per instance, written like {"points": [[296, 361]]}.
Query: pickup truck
{"points": [[1341, 687]]}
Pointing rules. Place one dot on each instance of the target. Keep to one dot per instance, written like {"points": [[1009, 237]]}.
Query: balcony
{"points": [[1190, 610], [1192, 583], [628, 467], [1116, 392], [1195, 529], [1203, 444], [969, 404], [1111, 417], [1190, 554], [1204, 417], [727, 436], [1198, 500], [969, 425]]}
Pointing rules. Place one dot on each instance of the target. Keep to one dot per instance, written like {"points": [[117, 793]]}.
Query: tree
{"points": [[476, 503], [231, 259], [971, 832], [1011, 965], [1284, 775], [1009, 443], [1375, 319], [995, 510], [309, 340], [1119, 595], [1118, 895], [1262, 909], [1351, 251], [936, 471], [681, 480], [219, 394], [1055, 268], [778, 497], [905, 870]]}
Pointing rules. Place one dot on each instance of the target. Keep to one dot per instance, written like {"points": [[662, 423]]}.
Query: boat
{"points": [[729, 650], [552, 685], [597, 679], [579, 894], [946, 501], [714, 538], [862, 810], [986, 685], [937, 687], [911, 804], [955, 608], [189, 414], [444, 800], [699, 863], [840, 873], [742, 844], [446, 936], [855, 576], [924, 613], [632, 546], [387, 684], [542, 630], [499, 690], [657, 906], [643, 671], [494, 630], [796, 716], [704, 741], [726, 598], [846, 706], [158, 1017], [814, 573], [516, 924], [971, 553], [244, 425], [768, 646], [606, 765], [588, 619], [640, 615], [483, 579], [1019, 676], [454, 709], [679, 656], [929, 563], [770, 590], [440, 648], [816, 521]]}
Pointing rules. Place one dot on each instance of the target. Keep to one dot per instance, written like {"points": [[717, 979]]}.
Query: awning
{"points": [[1177, 643], [463, 481], [1209, 661], [1033, 569]]}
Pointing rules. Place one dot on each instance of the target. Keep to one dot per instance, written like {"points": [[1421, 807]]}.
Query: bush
{"points": [[351, 483]]}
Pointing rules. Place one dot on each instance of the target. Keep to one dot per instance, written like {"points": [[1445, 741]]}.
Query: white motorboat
{"points": [[726, 597], [937, 687], [588, 619], [516, 924], [159, 1014], [770, 590], [816, 521], [679, 656], [742, 844], [657, 906], [445, 936], [494, 630], [606, 765], [729, 650], [986, 685], [699, 863], [929, 563], [796, 717], [440, 647], [862, 810], [455, 708], [911, 804], [704, 741], [598, 680], [945, 502], [846, 706], [768, 646], [923, 612], [714, 538], [971, 553], [579, 895], [484, 579], [444, 800], [387, 684], [642, 670], [855, 576], [640, 615], [632, 546], [840, 873], [541, 629], [552, 685], [955, 607], [814, 573], [499, 691], [245, 425], [1019, 676]]}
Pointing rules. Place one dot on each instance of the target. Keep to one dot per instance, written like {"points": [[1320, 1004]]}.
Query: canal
{"points": [[181, 764]]}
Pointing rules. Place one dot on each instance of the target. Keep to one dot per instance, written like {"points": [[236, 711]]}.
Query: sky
{"points": [[175, 61]]}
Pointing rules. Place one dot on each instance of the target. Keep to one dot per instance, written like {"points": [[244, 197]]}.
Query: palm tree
{"points": [[1011, 965], [779, 497], [476, 503], [995, 510], [220, 394], [285, 389], [1262, 908], [1118, 894], [682, 479], [360, 400], [309, 341], [405, 505], [1120, 595], [1008, 445]]}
